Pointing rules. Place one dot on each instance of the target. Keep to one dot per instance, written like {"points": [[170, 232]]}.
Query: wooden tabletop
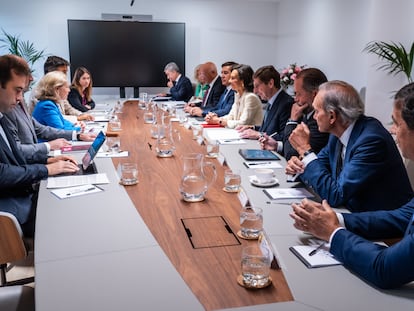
{"points": [[210, 271]]}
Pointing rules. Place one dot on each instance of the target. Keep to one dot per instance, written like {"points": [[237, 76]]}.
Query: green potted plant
{"points": [[395, 56], [26, 49]]}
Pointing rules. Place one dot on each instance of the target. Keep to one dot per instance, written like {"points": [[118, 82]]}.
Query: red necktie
{"points": [[203, 104]]}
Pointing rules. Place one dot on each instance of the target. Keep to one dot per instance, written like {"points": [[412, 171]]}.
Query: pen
{"points": [[80, 191], [271, 135], [313, 252], [259, 163]]}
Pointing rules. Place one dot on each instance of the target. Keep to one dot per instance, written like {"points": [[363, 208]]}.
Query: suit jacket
{"points": [[75, 99], [373, 175], [317, 141], [276, 118], [48, 113], [223, 106], [17, 178], [214, 94], [26, 131], [247, 109], [182, 90], [386, 267]]}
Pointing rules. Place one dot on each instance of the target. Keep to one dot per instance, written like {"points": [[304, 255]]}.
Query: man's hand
{"points": [[300, 137], [56, 144], [267, 143], [86, 117], [294, 166], [250, 134], [296, 113], [241, 128], [196, 111], [87, 136], [318, 219], [61, 164]]}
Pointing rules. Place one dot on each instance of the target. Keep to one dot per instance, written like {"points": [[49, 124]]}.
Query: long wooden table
{"points": [[210, 272]]}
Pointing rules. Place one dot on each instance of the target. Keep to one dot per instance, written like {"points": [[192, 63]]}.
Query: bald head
{"points": [[209, 71]]}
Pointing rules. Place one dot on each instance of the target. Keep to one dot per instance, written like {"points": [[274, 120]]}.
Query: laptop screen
{"points": [[93, 150]]}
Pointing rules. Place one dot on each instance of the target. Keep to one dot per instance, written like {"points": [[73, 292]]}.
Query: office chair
{"points": [[17, 298], [12, 247]]}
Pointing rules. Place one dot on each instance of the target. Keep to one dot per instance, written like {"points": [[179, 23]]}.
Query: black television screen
{"points": [[126, 53]]}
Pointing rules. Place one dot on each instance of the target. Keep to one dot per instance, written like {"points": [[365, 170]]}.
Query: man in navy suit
{"points": [[266, 82], [18, 180], [226, 98], [180, 86], [360, 165], [385, 267], [306, 86]]}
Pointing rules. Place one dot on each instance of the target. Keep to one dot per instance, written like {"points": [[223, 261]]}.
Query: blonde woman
{"points": [[51, 89], [80, 95], [247, 107]]}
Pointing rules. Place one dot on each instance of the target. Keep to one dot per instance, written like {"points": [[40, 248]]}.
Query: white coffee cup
{"points": [[264, 175]]}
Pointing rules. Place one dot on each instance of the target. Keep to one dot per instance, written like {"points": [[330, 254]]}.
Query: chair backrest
{"points": [[12, 247]]}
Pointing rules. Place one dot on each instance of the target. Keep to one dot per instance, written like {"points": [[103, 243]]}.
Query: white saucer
{"points": [[254, 181]]}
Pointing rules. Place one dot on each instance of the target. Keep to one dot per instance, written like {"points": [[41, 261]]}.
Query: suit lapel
{"points": [[13, 154], [28, 120]]}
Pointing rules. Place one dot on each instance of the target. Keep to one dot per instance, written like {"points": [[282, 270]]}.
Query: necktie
{"points": [[339, 160], [203, 104], [266, 115], [410, 226]]}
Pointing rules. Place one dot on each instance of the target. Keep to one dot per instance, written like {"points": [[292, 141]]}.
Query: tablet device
{"points": [[258, 155], [93, 150]]}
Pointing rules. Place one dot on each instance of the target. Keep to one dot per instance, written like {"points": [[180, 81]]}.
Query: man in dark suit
{"points": [[17, 179], [180, 86], [267, 86], [208, 73], [225, 100], [306, 86], [360, 164], [26, 132], [385, 267]]}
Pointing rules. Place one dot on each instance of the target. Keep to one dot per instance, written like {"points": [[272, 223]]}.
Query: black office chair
{"points": [[12, 248], [17, 298]]}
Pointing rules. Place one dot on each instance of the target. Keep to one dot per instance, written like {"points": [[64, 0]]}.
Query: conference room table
{"points": [[129, 247]]}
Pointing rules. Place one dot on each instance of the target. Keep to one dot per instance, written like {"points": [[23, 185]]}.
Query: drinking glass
{"points": [[251, 222]]}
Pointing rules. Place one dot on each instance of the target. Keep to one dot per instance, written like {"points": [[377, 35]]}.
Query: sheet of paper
{"points": [[287, 193], [221, 134], [262, 164], [76, 180], [70, 192]]}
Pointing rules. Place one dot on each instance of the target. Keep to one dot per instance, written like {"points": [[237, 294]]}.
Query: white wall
{"points": [[328, 34]]}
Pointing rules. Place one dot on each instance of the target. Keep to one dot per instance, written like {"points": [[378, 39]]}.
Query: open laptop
{"points": [[87, 166]]}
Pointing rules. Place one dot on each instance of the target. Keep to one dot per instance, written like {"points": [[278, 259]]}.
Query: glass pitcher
{"points": [[194, 182], [166, 138]]}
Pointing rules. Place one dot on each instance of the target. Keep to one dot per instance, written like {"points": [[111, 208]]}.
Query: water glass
{"points": [[144, 99], [212, 148], [129, 174], [114, 144], [196, 131], [148, 116], [115, 124], [255, 266], [251, 222], [232, 180]]}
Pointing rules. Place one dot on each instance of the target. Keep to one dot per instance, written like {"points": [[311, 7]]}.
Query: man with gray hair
{"points": [[180, 86], [360, 165]]}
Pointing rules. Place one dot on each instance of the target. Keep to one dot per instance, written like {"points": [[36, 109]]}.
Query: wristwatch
{"points": [[307, 152]]}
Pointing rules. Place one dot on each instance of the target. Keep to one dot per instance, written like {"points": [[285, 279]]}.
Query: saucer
{"points": [[241, 283], [255, 182]]}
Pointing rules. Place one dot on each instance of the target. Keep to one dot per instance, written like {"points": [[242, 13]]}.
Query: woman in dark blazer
{"points": [[80, 96]]}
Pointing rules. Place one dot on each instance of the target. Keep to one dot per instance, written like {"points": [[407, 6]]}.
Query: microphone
{"points": [[132, 2]]}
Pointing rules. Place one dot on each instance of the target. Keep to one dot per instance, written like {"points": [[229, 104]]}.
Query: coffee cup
{"points": [[264, 175]]}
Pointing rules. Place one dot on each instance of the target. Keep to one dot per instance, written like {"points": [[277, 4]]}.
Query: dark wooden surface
{"points": [[210, 272]]}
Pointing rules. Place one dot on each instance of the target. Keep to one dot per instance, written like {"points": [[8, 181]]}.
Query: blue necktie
{"points": [[410, 226]]}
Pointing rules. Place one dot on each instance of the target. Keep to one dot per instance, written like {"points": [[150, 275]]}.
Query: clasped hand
{"points": [[318, 219]]}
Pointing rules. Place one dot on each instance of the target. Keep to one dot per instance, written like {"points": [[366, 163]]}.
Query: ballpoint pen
{"points": [[80, 191], [313, 252]]}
